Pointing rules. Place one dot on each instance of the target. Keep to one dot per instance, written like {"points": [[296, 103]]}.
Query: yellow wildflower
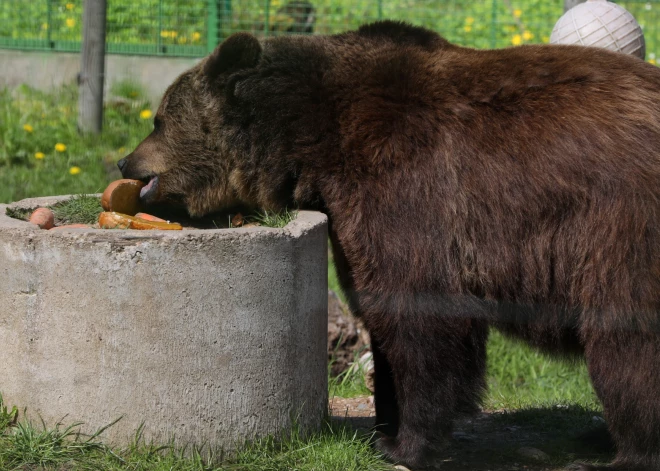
{"points": [[469, 20], [168, 34], [145, 114], [121, 150], [70, 6], [59, 147], [527, 35], [28, 128], [545, 39], [39, 155], [516, 40], [70, 22], [517, 12], [44, 25], [467, 28], [74, 170], [652, 61], [196, 36]]}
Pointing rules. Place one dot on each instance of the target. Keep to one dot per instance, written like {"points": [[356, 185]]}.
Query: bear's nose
{"points": [[121, 164]]}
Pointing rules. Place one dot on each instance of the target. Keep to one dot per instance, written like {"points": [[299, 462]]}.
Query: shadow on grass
{"points": [[536, 439]]}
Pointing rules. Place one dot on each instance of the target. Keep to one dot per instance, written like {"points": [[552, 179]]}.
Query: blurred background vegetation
{"points": [[192, 28]]}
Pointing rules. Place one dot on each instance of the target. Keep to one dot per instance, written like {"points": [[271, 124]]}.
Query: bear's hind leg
{"points": [[438, 365], [623, 366]]}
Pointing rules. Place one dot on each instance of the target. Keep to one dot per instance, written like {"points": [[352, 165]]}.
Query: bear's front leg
{"points": [[387, 409], [437, 362]]}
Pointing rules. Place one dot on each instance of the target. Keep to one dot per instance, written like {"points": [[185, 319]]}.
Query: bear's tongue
{"points": [[146, 189]]}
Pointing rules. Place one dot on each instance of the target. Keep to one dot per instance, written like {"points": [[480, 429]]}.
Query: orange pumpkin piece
{"points": [[114, 220], [122, 196], [237, 220], [149, 217], [43, 217]]}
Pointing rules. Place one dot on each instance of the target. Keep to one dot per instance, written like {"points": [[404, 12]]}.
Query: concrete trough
{"points": [[210, 337]]}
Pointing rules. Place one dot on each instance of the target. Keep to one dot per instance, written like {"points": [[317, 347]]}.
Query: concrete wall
{"points": [[211, 336], [46, 70]]}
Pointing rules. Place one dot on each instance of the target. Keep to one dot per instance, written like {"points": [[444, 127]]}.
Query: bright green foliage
{"points": [[42, 153], [7, 416], [171, 27], [79, 209], [272, 219], [28, 446], [519, 376]]}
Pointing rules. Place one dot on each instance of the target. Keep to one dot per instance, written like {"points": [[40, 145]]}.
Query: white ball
{"points": [[600, 23]]}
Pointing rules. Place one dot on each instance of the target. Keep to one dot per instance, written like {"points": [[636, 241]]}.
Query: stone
{"points": [[211, 337]]}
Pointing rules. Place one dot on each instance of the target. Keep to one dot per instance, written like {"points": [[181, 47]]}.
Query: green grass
{"points": [[80, 209], [28, 446], [272, 219], [33, 123], [350, 383], [521, 377], [19, 213]]}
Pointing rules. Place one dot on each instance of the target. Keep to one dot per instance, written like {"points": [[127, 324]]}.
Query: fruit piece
{"points": [[237, 221], [115, 220], [112, 220], [72, 226], [122, 196], [43, 217], [149, 217]]}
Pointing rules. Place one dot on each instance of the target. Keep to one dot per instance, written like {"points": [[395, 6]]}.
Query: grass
{"points": [[80, 209], [521, 377], [19, 213], [26, 446], [42, 153], [272, 219]]}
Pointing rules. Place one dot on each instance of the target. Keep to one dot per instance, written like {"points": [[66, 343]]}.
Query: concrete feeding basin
{"points": [[210, 337]]}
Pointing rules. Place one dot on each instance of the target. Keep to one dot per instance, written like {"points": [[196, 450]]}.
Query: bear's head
{"points": [[190, 157]]}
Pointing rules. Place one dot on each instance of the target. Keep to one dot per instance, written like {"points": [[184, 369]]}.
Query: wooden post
{"points": [[568, 4], [92, 72]]}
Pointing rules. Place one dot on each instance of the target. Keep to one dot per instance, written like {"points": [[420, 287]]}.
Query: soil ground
{"points": [[543, 439]]}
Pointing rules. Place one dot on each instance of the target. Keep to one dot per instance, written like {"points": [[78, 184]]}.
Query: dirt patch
{"points": [[543, 439]]}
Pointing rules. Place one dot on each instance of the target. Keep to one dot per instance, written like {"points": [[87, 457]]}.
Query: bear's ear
{"points": [[238, 51]]}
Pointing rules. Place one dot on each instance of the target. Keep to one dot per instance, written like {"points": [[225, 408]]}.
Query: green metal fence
{"points": [[194, 27]]}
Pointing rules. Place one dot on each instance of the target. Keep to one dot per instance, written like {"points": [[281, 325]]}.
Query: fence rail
{"points": [[193, 27]]}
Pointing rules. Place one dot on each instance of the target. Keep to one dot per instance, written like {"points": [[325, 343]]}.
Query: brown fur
{"points": [[518, 188]]}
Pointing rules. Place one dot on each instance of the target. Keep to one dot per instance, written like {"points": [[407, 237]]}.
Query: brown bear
{"points": [[515, 188]]}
